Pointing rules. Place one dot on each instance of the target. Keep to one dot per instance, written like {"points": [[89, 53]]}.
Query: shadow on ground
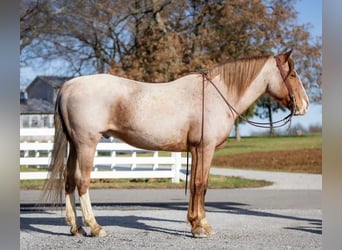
{"points": [[141, 223]]}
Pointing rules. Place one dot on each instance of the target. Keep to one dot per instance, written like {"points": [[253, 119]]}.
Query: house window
{"points": [[46, 122], [34, 121], [24, 121]]}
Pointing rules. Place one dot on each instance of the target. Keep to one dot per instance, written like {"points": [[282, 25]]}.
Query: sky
{"points": [[309, 11]]}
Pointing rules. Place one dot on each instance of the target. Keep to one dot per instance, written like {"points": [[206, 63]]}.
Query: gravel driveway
{"points": [[287, 217]]}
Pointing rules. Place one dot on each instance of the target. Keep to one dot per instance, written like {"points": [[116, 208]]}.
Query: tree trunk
{"points": [[270, 117], [237, 132]]}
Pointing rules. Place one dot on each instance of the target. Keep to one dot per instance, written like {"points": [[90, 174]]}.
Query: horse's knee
{"points": [[198, 187]]}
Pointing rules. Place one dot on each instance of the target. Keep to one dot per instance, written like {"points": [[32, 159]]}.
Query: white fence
{"points": [[112, 159]]}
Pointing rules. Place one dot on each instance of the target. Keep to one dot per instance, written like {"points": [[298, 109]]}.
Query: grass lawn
{"points": [[280, 153], [266, 144], [215, 181]]}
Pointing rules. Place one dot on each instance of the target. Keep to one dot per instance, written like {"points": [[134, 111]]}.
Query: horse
{"points": [[189, 114]]}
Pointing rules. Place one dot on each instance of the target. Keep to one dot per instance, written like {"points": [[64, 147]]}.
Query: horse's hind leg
{"points": [[70, 173], [85, 156]]}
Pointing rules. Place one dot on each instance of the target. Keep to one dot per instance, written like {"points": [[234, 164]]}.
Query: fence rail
{"points": [[112, 159]]}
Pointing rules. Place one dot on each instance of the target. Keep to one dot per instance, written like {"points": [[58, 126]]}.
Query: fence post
{"points": [[113, 156], [156, 160], [176, 167], [134, 160], [37, 154]]}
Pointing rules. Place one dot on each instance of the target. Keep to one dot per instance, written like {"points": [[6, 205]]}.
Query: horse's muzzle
{"points": [[301, 109]]}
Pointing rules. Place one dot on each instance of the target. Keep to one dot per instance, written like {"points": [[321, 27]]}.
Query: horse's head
{"points": [[286, 86]]}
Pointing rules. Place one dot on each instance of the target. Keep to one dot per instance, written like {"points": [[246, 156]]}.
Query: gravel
{"points": [[286, 215]]}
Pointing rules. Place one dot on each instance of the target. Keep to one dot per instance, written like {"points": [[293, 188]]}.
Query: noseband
{"points": [[292, 105]]}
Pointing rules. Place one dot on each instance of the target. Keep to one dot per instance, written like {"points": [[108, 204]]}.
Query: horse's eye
{"points": [[293, 75]]}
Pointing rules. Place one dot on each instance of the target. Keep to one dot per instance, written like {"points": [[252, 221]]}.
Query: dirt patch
{"points": [[303, 161]]}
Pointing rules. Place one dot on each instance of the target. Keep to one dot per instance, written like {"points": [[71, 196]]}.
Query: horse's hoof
{"points": [[102, 233], [99, 233], [199, 232], [79, 232], [202, 231]]}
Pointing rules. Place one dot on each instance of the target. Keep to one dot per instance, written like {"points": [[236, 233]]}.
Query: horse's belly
{"points": [[154, 140]]}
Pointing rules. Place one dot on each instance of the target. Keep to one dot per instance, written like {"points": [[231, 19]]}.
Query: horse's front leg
{"points": [[200, 167]]}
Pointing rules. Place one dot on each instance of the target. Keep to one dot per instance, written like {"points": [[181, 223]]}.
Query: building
{"points": [[45, 88], [38, 100]]}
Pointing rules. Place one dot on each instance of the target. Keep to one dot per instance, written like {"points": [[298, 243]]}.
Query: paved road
{"points": [[283, 218], [280, 180]]}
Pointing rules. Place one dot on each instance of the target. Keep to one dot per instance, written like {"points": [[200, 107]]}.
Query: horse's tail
{"points": [[53, 187]]}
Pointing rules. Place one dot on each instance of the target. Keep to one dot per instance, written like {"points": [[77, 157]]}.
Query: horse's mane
{"points": [[238, 74]]}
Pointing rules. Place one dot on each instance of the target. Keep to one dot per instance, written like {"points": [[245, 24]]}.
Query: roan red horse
{"points": [[191, 114]]}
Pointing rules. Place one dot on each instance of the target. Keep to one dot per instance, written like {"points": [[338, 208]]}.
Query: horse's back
{"points": [[98, 82]]}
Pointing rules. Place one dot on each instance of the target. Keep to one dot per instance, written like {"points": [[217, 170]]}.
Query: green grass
{"points": [[32, 169], [266, 144], [215, 181]]}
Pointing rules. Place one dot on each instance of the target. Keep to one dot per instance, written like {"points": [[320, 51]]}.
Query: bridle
{"points": [[285, 77], [276, 124]]}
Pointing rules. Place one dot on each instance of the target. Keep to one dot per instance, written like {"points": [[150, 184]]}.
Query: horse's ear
{"points": [[286, 56]]}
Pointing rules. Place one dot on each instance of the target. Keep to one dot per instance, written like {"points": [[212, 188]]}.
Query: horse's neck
{"points": [[252, 93]]}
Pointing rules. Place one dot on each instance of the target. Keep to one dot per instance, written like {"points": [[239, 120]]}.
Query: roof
{"points": [[53, 81], [36, 106]]}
